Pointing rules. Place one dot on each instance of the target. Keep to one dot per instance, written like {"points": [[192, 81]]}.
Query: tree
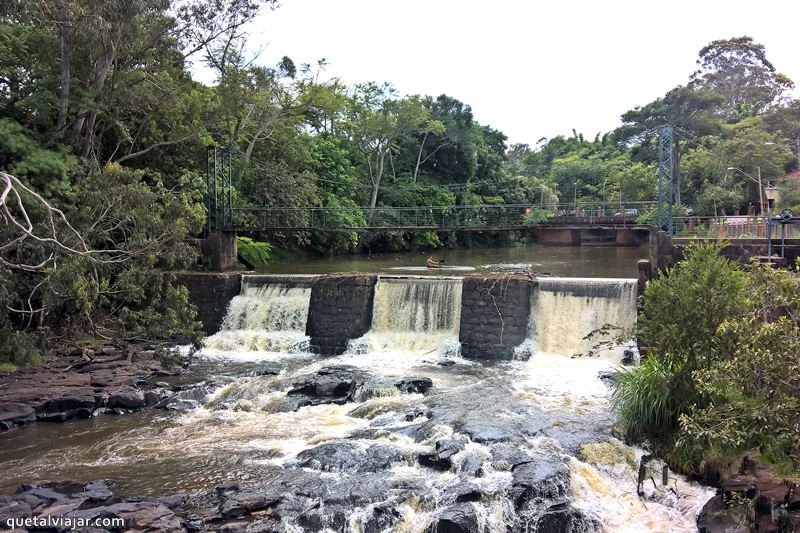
{"points": [[739, 70], [375, 124]]}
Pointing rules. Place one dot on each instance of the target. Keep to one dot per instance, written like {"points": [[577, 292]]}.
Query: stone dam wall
{"points": [[494, 309], [340, 310], [494, 315]]}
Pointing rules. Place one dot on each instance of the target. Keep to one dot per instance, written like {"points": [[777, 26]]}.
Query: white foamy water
{"points": [[414, 329], [265, 319], [565, 310], [412, 315]]}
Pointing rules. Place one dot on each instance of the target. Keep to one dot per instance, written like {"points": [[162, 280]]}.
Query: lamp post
{"points": [[756, 180], [772, 194], [797, 155]]}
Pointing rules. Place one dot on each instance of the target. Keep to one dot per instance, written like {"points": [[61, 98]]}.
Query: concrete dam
{"points": [[478, 317]]}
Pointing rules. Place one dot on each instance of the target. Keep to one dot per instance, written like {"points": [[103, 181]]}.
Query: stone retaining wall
{"points": [[340, 310], [494, 315], [211, 293]]}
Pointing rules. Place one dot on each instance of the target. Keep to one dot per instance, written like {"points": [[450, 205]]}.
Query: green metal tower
{"points": [[666, 175]]}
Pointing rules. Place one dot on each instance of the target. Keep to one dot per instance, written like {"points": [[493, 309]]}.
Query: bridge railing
{"points": [[729, 227], [433, 217]]}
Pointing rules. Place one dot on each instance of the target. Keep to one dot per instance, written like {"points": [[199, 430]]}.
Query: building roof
{"points": [[790, 176]]}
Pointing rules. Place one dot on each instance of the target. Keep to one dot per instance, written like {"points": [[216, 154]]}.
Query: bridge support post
{"points": [[221, 250]]}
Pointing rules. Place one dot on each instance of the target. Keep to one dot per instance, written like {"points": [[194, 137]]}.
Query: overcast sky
{"points": [[532, 69]]}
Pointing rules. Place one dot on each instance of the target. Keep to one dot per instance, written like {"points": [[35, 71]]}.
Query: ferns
{"points": [[254, 253]]}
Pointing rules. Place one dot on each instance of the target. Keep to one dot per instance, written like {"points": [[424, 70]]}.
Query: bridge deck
{"points": [[472, 218]]}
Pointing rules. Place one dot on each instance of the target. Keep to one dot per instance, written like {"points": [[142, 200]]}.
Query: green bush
{"points": [[721, 376], [18, 348]]}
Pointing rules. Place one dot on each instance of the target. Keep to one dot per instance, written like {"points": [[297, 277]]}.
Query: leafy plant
{"points": [[254, 253]]}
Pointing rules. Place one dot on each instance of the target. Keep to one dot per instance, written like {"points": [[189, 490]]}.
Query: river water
{"points": [[546, 410], [579, 261]]}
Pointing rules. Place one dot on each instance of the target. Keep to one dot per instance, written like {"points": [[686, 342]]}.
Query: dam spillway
{"points": [[482, 317]]}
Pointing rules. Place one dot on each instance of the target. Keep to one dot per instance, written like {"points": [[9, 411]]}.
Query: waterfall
{"points": [[565, 310], [413, 314], [265, 317]]}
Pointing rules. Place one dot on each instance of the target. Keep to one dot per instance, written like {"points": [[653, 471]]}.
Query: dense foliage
{"points": [[720, 376]]}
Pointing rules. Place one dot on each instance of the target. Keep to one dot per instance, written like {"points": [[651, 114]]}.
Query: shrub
{"points": [[254, 253]]}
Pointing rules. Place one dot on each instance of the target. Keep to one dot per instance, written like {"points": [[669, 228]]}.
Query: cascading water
{"points": [[565, 310], [265, 317], [413, 315]]}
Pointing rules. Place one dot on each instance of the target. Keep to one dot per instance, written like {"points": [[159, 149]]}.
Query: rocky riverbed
{"points": [[89, 383], [366, 443]]}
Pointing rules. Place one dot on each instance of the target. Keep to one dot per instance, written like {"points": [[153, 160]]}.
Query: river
{"points": [[512, 445], [578, 261]]}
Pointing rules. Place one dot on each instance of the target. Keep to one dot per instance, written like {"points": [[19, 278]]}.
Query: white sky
{"points": [[531, 69]]}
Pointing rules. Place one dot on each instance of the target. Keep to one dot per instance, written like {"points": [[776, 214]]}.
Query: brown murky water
{"points": [[575, 261]]}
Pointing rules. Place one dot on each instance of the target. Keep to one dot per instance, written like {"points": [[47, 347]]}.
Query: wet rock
{"points": [[506, 456], [330, 383], [414, 385], [327, 518], [472, 465], [345, 456], [561, 517], [458, 518], [465, 491], [336, 456], [71, 387], [227, 487], [444, 450], [417, 413], [239, 504], [95, 492], [537, 481], [608, 376], [90, 501], [16, 414], [384, 517], [126, 399], [381, 457]]}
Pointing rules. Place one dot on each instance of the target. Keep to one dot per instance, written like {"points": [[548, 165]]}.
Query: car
{"points": [[628, 213]]}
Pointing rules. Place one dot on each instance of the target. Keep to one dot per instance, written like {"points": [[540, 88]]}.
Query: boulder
{"points": [[333, 383], [417, 385], [349, 457], [561, 517], [126, 399], [457, 518], [444, 450], [542, 479], [239, 504], [16, 414]]}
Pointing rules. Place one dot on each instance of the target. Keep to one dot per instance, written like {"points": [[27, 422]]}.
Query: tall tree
{"points": [[739, 70]]}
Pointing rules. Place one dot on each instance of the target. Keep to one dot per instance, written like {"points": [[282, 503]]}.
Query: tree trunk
{"points": [[376, 183], [419, 157], [99, 75], [63, 102]]}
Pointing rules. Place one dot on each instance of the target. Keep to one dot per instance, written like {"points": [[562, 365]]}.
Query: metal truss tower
{"points": [[666, 175], [219, 180]]}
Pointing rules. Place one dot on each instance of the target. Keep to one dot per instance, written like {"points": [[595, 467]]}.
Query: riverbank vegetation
{"points": [[104, 132], [721, 376]]}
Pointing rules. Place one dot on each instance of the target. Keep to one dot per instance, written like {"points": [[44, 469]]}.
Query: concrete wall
{"points": [[494, 315], [340, 310], [666, 250], [221, 250], [211, 293], [590, 235]]}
